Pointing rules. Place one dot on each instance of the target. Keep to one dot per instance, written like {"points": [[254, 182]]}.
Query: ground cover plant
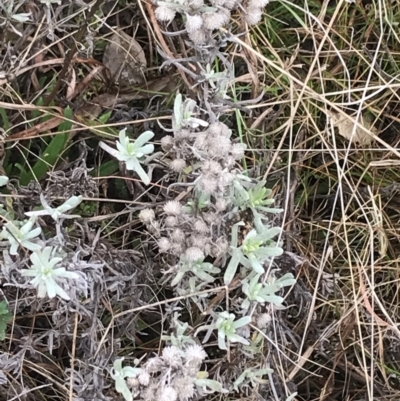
{"points": [[199, 200]]}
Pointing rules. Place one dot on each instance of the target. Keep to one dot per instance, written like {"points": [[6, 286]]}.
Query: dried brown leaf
{"points": [[345, 128], [125, 59]]}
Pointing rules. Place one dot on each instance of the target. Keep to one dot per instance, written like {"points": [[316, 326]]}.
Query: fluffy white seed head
{"points": [[167, 142], [164, 245], [184, 387], [237, 150], [211, 167], [178, 165], [195, 353], [208, 184], [147, 216], [200, 226], [154, 365], [165, 14], [198, 37], [198, 241], [193, 23], [167, 394], [257, 3], [263, 320], [216, 20], [253, 15], [178, 235], [172, 356], [171, 221], [144, 378], [173, 208], [193, 254], [219, 146], [219, 128], [221, 204]]}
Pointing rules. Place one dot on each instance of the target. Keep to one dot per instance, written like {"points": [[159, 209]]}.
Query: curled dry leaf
{"points": [[125, 59], [345, 128]]}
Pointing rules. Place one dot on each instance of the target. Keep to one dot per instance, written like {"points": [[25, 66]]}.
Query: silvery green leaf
{"points": [[243, 321], [3, 180], [178, 110], [291, 397], [232, 266], [22, 17], [212, 384], [273, 299]]}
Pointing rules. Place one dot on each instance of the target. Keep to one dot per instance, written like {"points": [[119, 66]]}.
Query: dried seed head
{"points": [[200, 226], [193, 254], [219, 146], [263, 320], [177, 248], [237, 150], [165, 14], [173, 208], [208, 184], [193, 23], [221, 204], [216, 20], [184, 387], [219, 128], [171, 221], [144, 378], [198, 37], [154, 365], [257, 3], [198, 241], [211, 217], [154, 227], [182, 134], [164, 245], [178, 236], [172, 356], [201, 141], [253, 15], [211, 167], [167, 394], [178, 165], [146, 216], [167, 142], [195, 353]]}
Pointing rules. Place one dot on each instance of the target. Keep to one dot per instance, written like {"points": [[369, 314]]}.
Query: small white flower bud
{"points": [[173, 208], [167, 142], [193, 254], [211, 167], [166, 14], [154, 227], [154, 365], [193, 23], [178, 165], [132, 382], [219, 146], [208, 184], [146, 216], [184, 386], [216, 20], [164, 245]]}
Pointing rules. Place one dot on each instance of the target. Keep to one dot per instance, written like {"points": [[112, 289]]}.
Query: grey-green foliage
{"points": [[178, 337], [256, 198], [199, 268], [5, 316], [251, 375], [255, 249], [226, 326], [259, 292]]}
